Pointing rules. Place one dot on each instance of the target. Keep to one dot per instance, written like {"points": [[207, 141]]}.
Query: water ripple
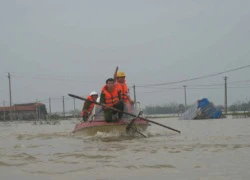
{"points": [[160, 166]]}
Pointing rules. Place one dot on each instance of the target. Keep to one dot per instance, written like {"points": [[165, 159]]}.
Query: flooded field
{"points": [[205, 150]]}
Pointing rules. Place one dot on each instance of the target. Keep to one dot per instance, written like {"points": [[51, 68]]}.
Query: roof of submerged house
{"points": [[21, 107]]}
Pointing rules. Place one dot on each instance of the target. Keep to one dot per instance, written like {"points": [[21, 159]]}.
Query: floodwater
{"points": [[205, 150]]}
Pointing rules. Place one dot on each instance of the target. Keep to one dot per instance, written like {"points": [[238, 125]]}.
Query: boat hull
{"points": [[92, 128]]}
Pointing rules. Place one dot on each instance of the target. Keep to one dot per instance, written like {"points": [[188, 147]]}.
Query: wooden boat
{"points": [[96, 123], [93, 127]]}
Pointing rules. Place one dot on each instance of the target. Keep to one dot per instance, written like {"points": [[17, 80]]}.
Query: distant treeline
{"points": [[172, 108], [240, 106], [175, 108]]}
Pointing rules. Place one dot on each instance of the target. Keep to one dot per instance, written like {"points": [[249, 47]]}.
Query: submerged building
{"points": [[28, 111]]}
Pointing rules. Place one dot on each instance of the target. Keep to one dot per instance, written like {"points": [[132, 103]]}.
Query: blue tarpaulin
{"points": [[202, 109]]}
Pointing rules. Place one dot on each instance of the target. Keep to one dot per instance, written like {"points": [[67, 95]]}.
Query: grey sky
{"points": [[56, 47]]}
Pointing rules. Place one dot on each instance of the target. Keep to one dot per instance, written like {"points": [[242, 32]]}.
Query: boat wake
{"points": [[118, 136], [114, 136]]}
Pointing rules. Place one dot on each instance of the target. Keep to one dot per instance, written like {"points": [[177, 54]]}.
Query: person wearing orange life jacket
{"points": [[122, 86], [111, 97], [88, 105]]}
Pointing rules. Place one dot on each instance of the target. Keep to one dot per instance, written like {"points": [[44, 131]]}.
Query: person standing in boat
{"points": [[122, 86], [111, 97], [88, 105]]}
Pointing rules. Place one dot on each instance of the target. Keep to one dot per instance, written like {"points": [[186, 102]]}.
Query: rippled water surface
{"points": [[205, 150]]}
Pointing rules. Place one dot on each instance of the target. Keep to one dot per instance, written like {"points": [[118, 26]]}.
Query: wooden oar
{"points": [[138, 132], [132, 122], [133, 115], [130, 125]]}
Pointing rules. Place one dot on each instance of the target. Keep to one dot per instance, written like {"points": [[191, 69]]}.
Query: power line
{"points": [[242, 82], [201, 86], [48, 75], [240, 87], [236, 82], [54, 78], [192, 79], [222, 84], [198, 88]]}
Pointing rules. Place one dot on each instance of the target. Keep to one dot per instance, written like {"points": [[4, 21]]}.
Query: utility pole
{"points": [[37, 111], [135, 98], [63, 107], [74, 107], [49, 107], [185, 96], [225, 78], [10, 96], [4, 110], [14, 114]]}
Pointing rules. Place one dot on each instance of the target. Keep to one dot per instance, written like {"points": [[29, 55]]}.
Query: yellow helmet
{"points": [[120, 74]]}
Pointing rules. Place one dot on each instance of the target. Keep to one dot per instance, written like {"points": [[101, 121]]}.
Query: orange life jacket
{"points": [[123, 88], [111, 98], [91, 106]]}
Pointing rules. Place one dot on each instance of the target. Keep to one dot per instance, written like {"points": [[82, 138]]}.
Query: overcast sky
{"points": [[55, 47]]}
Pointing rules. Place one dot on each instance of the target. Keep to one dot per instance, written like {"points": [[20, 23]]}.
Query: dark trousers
{"points": [[109, 113], [85, 118]]}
